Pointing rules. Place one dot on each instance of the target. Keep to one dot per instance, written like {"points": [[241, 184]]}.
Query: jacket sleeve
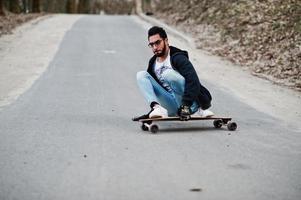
{"points": [[192, 82]]}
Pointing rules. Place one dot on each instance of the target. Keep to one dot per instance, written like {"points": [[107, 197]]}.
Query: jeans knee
{"points": [[172, 76], [141, 75]]}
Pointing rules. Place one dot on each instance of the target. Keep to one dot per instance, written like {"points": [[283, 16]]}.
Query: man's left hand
{"points": [[184, 112]]}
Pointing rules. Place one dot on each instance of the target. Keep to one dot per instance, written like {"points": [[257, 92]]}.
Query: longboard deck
{"points": [[178, 119], [218, 122]]}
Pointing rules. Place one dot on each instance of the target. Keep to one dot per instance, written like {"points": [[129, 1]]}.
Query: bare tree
{"points": [[36, 6], [14, 6], [25, 6], [71, 6], [96, 7], [2, 7], [83, 6]]}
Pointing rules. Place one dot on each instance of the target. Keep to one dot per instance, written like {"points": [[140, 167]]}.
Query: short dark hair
{"points": [[157, 30]]}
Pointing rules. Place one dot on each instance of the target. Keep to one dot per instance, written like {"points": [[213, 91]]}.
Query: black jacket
{"points": [[194, 90]]}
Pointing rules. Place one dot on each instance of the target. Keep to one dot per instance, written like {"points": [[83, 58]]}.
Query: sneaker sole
{"points": [[156, 116]]}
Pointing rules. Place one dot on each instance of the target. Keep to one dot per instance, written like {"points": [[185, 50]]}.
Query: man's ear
{"points": [[166, 40]]}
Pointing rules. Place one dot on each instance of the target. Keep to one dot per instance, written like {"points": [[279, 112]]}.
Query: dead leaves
{"points": [[10, 21]]}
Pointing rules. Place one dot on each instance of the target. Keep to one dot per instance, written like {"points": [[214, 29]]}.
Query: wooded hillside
{"points": [[68, 6], [264, 35]]}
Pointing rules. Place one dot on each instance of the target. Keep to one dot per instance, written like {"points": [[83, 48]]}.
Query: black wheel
{"points": [[154, 128], [144, 127], [218, 123], [232, 126]]}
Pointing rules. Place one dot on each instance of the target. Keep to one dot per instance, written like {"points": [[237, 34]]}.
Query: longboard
{"points": [[149, 125]]}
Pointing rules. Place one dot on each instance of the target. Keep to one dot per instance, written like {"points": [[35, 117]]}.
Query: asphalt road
{"points": [[70, 136]]}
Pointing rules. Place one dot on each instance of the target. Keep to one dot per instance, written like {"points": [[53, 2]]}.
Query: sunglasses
{"points": [[156, 43]]}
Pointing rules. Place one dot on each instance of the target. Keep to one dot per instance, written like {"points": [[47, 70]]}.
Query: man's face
{"points": [[158, 45]]}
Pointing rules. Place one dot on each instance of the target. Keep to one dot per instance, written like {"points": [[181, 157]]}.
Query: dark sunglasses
{"points": [[156, 43]]}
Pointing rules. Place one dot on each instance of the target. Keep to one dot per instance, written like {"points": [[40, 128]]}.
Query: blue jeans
{"points": [[153, 91]]}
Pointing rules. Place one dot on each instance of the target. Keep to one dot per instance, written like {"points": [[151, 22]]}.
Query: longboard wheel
{"points": [[232, 126], [144, 127], [154, 128], [218, 123]]}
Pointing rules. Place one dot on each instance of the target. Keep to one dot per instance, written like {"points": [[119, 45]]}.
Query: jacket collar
{"points": [[173, 52]]}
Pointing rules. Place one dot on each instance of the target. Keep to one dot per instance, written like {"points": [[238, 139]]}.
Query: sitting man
{"points": [[171, 85]]}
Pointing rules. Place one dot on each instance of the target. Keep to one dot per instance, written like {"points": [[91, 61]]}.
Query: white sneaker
{"points": [[202, 113], [158, 112]]}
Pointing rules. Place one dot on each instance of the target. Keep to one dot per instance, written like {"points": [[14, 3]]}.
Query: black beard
{"points": [[162, 53]]}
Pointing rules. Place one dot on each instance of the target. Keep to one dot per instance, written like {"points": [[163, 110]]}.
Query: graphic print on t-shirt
{"points": [[159, 69]]}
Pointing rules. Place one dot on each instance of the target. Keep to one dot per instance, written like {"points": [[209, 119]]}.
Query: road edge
{"points": [[22, 63]]}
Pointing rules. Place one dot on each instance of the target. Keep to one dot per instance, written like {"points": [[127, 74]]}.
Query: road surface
{"points": [[70, 136]]}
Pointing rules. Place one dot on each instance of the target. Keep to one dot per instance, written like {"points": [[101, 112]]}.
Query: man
{"points": [[170, 85]]}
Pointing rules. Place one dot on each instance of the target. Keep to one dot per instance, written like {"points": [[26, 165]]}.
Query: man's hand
{"points": [[184, 112]]}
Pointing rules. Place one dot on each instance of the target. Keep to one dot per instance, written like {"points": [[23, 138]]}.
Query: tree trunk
{"points": [[36, 6], [15, 6], [29, 6], [1, 8], [96, 7], [71, 6], [50, 6], [84, 6], [25, 6]]}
